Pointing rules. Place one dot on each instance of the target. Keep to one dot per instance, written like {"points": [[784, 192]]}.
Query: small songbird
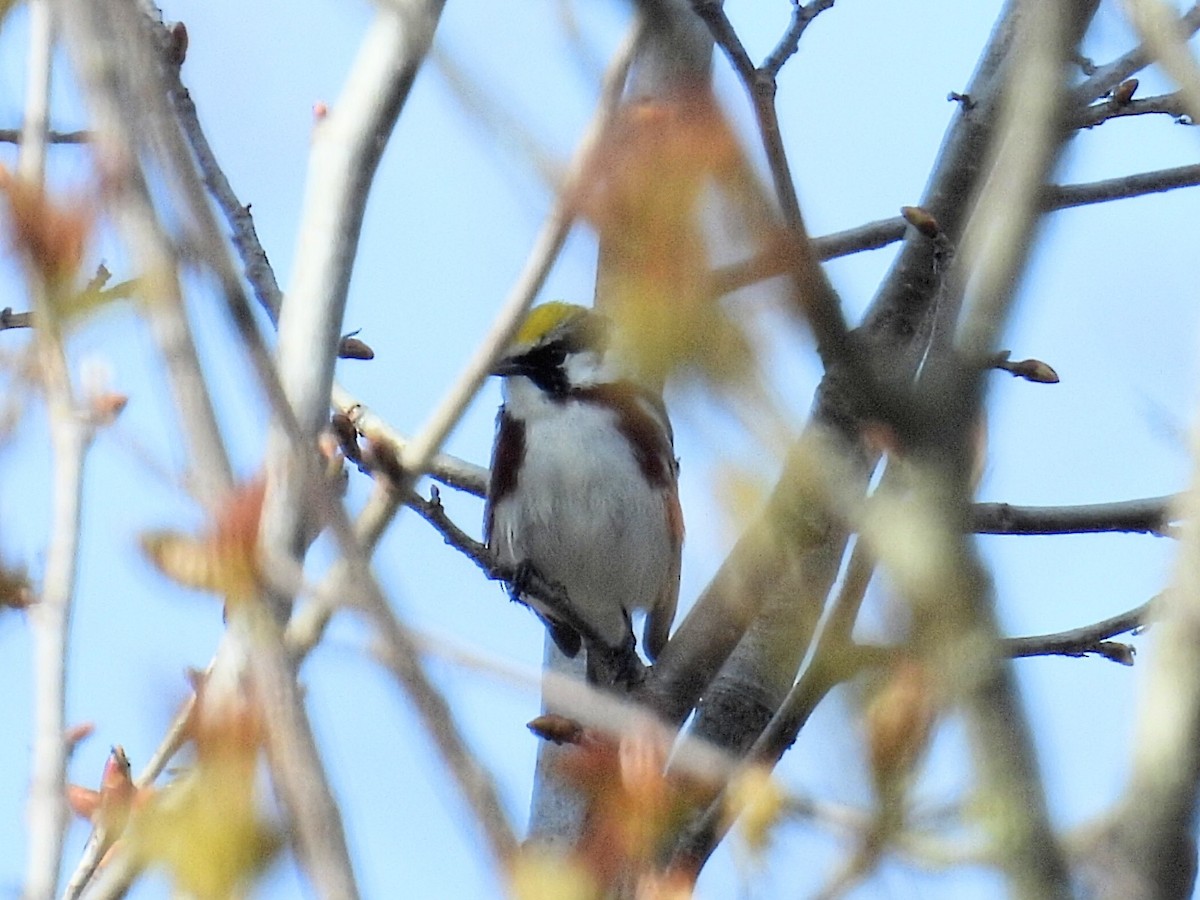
{"points": [[584, 486]]}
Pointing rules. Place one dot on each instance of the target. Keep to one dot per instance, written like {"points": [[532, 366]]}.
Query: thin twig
{"points": [[958, 608], [449, 470], [802, 17], [256, 267], [881, 233], [1088, 639], [13, 136], [812, 293], [1165, 104], [1109, 76], [1066, 196], [1151, 515], [1166, 35]]}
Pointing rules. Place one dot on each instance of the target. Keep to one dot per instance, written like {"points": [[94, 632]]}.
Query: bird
{"points": [[583, 489]]}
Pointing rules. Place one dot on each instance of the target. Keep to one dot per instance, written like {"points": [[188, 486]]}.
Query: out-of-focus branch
{"points": [[955, 609], [50, 615], [418, 453], [50, 619], [13, 136], [346, 151], [31, 164], [432, 708], [119, 112], [472, 779], [118, 55], [1109, 76], [1148, 516], [1146, 847], [401, 655], [10, 319], [307, 624], [762, 558], [1166, 35]]}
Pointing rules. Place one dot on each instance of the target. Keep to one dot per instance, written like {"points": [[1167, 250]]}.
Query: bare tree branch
{"points": [[812, 295], [119, 111], [50, 619], [881, 233], [435, 713], [1166, 35], [13, 136], [1088, 639], [1165, 104], [1069, 195], [256, 267], [1148, 516], [1109, 76], [802, 16], [50, 616], [1146, 846], [10, 319], [31, 164], [418, 452]]}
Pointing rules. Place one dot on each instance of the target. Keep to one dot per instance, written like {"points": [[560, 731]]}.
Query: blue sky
{"points": [[1109, 301]]}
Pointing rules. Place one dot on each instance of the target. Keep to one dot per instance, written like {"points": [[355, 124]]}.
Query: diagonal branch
{"points": [[418, 453]]}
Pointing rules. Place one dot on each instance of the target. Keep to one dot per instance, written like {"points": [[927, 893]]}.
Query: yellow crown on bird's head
{"points": [[548, 318]]}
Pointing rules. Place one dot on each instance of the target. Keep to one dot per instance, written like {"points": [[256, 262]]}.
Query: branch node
{"points": [[963, 100]]}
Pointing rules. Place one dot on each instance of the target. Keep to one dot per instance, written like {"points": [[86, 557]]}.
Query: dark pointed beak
{"points": [[511, 365]]}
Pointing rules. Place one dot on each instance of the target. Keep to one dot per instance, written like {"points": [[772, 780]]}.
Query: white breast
{"points": [[582, 512]]}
